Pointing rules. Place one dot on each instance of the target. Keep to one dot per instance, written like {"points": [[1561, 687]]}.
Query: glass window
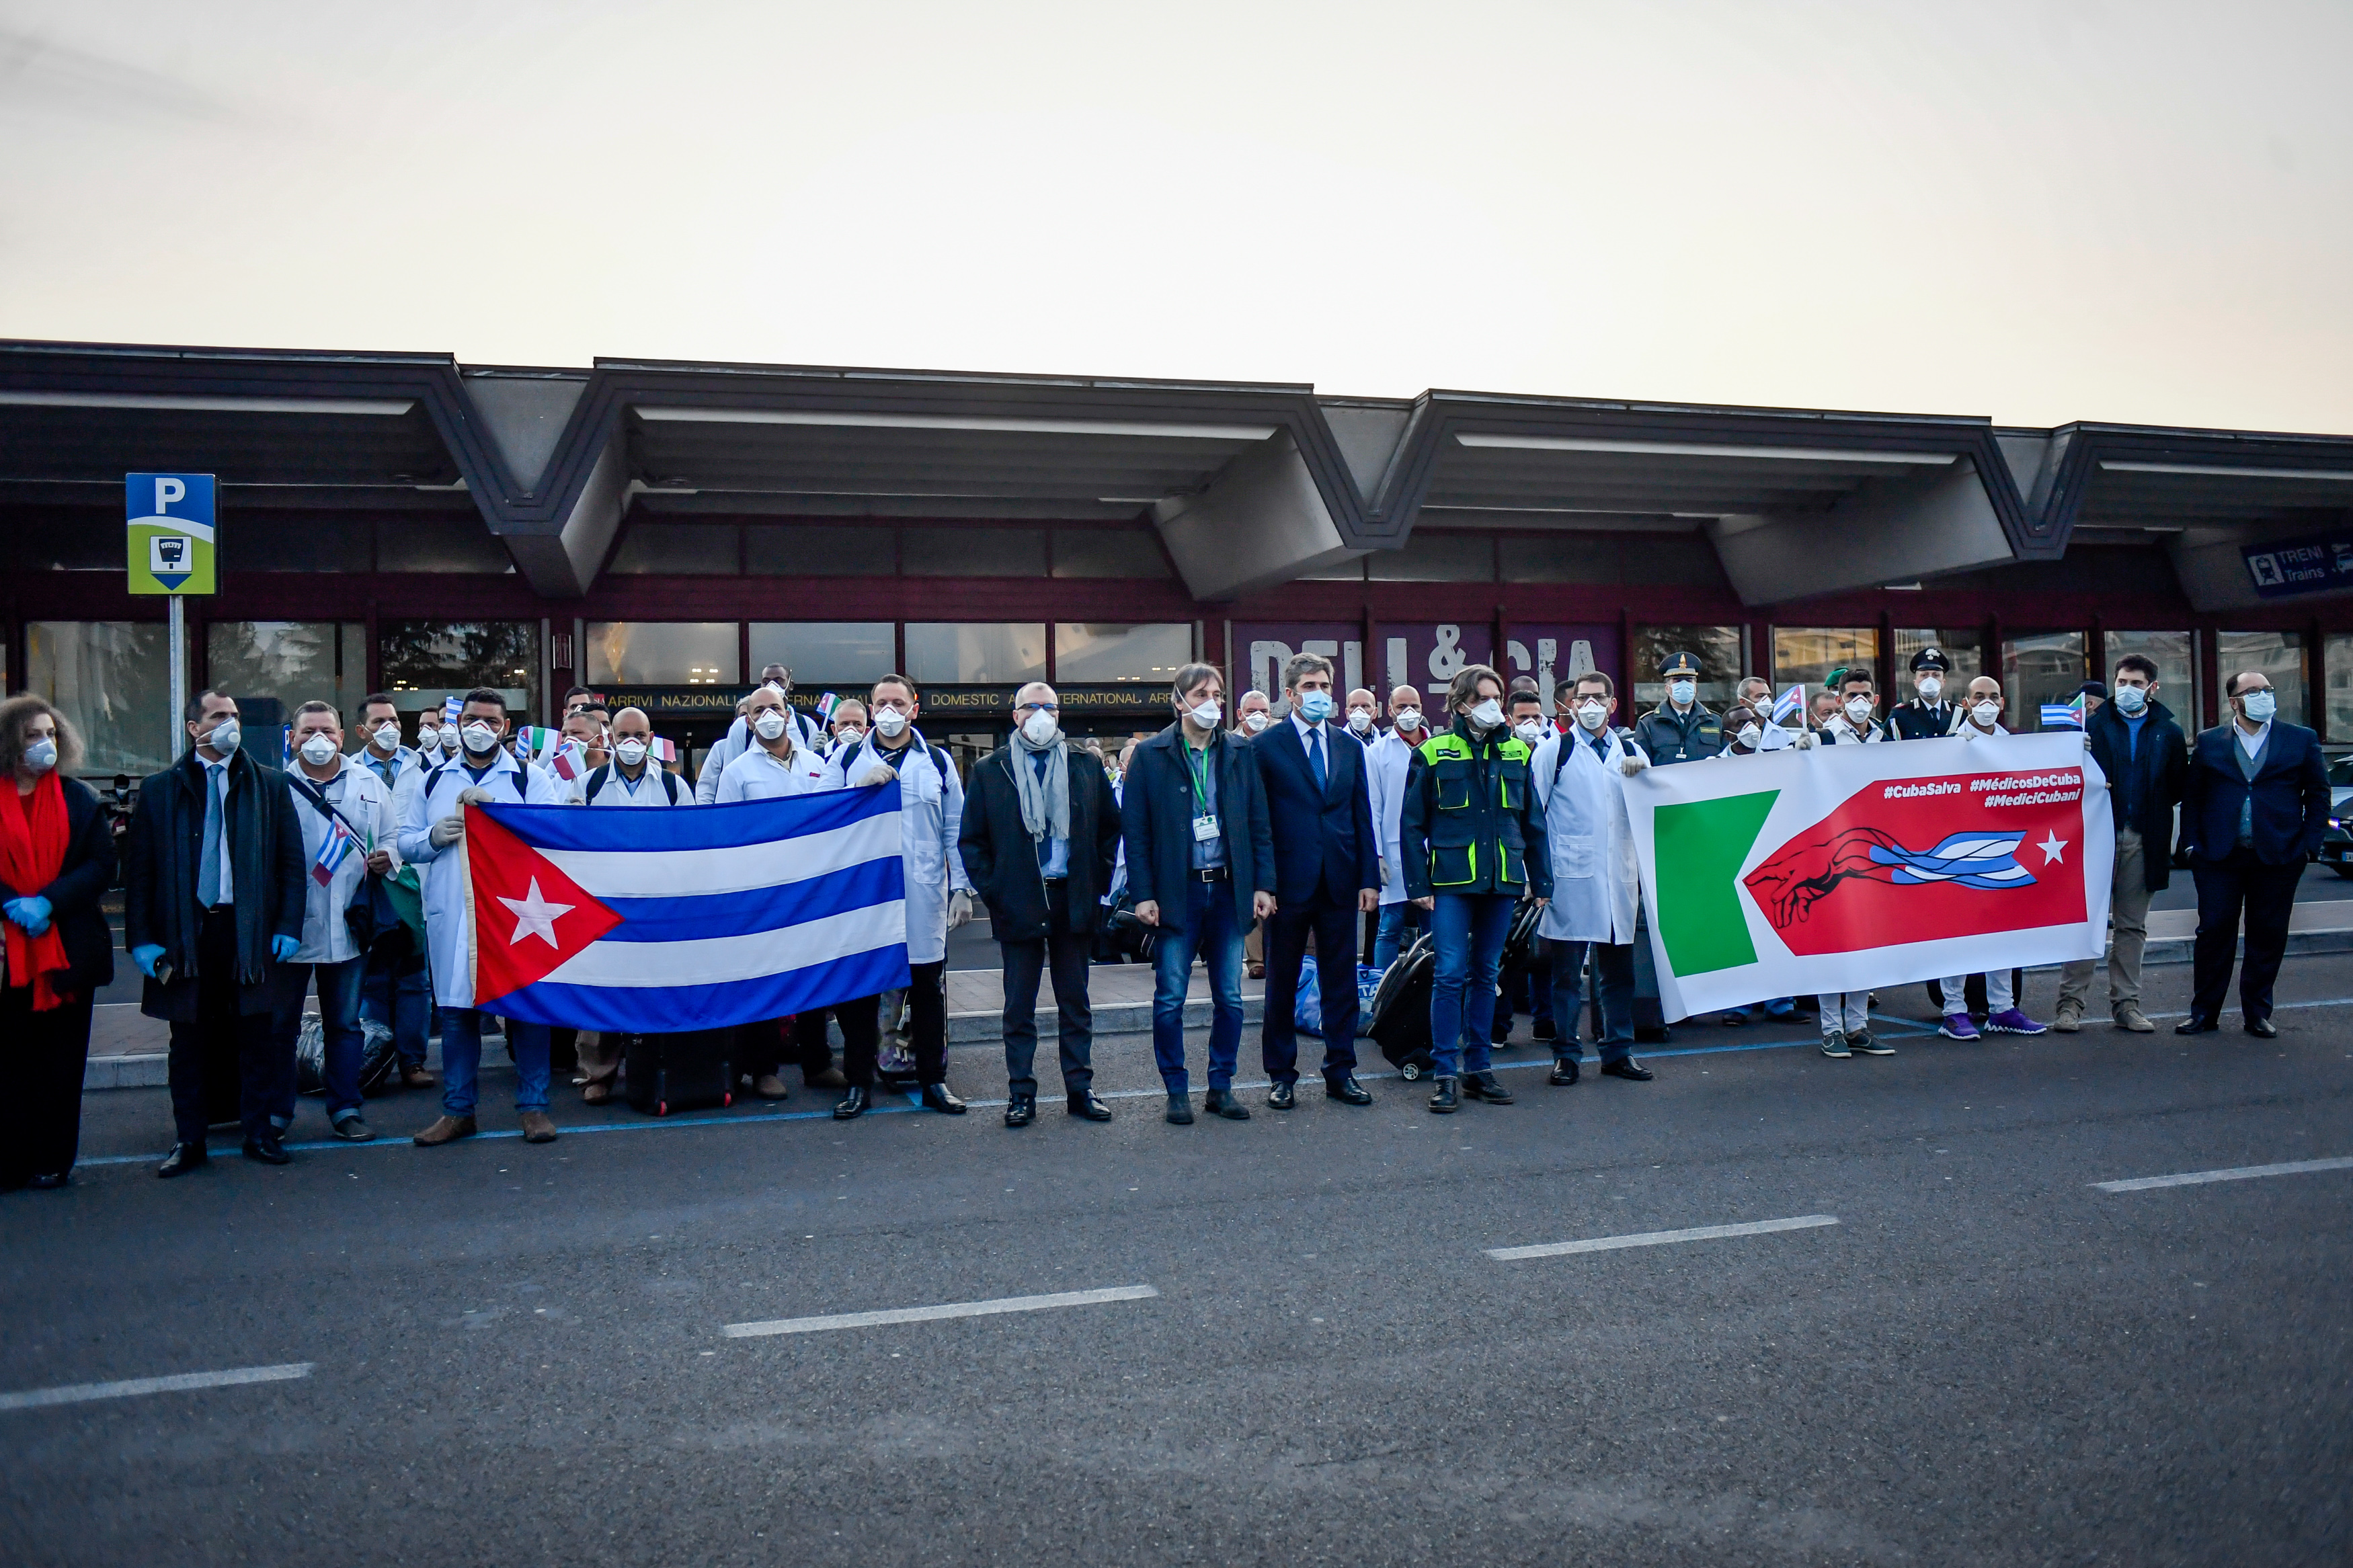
{"points": [[2337, 670], [1959, 643], [427, 661], [2279, 655], [976, 653], [819, 551], [972, 553], [303, 543], [112, 679], [273, 668], [678, 550], [1810, 652], [2050, 667], [1108, 552], [1717, 648], [845, 653], [664, 653], [1435, 557], [1091, 655], [438, 544], [2175, 653]]}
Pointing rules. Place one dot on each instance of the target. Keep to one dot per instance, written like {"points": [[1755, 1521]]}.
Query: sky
{"points": [[2125, 210]]}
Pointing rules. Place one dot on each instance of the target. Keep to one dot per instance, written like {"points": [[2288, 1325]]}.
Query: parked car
{"points": [[2336, 850]]}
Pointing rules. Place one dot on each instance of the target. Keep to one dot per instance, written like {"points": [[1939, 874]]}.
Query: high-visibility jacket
{"points": [[1471, 822]]}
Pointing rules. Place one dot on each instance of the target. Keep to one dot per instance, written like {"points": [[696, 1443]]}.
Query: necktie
{"points": [[1316, 758], [208, 868], [1601, 747]]}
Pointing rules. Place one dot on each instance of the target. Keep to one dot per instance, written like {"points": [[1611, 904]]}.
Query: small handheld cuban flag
{"points": [[824, 707], [451, 706], [2063, 715], [340, 841], [1790, 704]]}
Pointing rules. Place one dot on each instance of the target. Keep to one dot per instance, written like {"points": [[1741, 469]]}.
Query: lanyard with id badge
{"points": [[1205, 817]]}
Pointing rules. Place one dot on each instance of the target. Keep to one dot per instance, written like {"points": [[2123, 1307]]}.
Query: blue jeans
{"points": [[396, 992], [1210, 932], [462, 1061], [1389, 940], [339, 1016], [1468, 929], [1613, 974]]}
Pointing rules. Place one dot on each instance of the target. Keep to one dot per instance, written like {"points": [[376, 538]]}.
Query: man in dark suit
{"points": [[2255, 807], [213, 903], [1200, 865], [1039, 833], [1327, 877]]}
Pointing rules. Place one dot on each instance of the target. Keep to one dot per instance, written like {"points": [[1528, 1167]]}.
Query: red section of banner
{"points": [[1920, 859], [529, 917]]}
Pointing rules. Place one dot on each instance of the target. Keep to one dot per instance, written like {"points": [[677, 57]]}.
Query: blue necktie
{"points": [[1315, 758], [209, 868]]}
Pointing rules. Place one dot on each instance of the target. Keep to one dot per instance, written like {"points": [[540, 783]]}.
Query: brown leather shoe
{"points": [[445, 1130], [771, 1087], [536, 1128], [831, 1077], [597, 1094], [416, 1078]]}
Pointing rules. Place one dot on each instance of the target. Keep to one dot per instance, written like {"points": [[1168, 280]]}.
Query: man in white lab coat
{"points": [[774, 678], [1391, 757]]}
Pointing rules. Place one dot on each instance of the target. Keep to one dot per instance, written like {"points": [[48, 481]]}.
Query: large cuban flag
{"points": [[695, 918]]}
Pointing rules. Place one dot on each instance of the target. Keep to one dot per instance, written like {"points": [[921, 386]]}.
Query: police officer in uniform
{"points": [[1929, 716], [1679, 729]]}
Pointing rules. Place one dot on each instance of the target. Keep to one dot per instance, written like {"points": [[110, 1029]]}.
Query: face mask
{"points": [[1205, 715], [319, 750], [1254, 722], [481, 739], [2132, 699], [41, 755], [1316, 706], [427, 738], [1360, 719], [1529, 730], [848, 737], [225, 737], [1749, 736], [630, 752], [1986, 713], [1488, 715], [1039, 728], [449, 738], [1409, 718], [1929, 687], [1681, 692], [1593, 715], [892, 722], [772, 684], [769, 725], [1858, 710], [2260, 705]]}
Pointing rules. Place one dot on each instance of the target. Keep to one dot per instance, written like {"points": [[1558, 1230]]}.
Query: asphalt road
{"points": [[519, 1355]]}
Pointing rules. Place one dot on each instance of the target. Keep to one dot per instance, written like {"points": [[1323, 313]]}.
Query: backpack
{"points": [[605, 771]]}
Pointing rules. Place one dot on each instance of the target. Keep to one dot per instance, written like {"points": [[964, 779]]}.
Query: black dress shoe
{"points": [[1088, 1107], [1282, 1097], [184, 1158], [1180, 1110], [1021, 1110], [1630, 1070], [1447, 1100], [2194, 1025], [50, 1181], [1564, 1071], [1486, 1086], [268, 1151], [939, 1097], [2263, 1028], [1347, 1091], [1221, 1102], [853, 1103]]}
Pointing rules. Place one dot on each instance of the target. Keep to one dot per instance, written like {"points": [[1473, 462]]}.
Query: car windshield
{"points": [[2340, 771]]}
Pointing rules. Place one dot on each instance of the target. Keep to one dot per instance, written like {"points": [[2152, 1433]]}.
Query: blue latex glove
{"points": [[32, 913], [284, 948], [145, 955]]}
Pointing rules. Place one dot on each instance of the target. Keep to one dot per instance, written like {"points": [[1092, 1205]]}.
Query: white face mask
{"points": [[41, 755], [1858, 710], [2260, 705], [629, 753], [1529, 730], [1254, 722], [449, 738], [1206, 714], [849, 735], [1593, 715], [2132, 699], [225, 737], [1409, 718], [1488, 715], [1360, 719], [1985, 713], [319, 749], [1929, 687], [387, 736], [427, 738], [770, 724], [1749, 736], [480, 740], [892, 722], [1681, 692], [1039, 728]]}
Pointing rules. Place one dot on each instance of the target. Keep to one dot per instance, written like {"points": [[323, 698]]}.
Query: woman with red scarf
{"points": [[57, 858]]}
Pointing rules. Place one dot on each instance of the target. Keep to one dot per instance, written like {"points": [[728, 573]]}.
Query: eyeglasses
{"points": [[1039, 708]]}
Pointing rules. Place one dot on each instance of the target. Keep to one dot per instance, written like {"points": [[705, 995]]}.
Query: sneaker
{"points": [[1861, 1040], [2130, 1018], [2069, 1018], [1834, 1044], [1959, 1028], [2011, 1021]]}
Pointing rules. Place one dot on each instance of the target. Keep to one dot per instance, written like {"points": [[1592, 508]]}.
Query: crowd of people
{"points": [[1340, 826]]}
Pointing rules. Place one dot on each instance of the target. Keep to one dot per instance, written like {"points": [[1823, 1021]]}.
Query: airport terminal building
{"points": [[660, 531]]}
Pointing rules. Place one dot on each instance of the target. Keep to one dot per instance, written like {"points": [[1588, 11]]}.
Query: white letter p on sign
{"points": [[167, 490]]}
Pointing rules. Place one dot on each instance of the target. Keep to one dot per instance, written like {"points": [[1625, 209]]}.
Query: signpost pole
{"points": [[171, 538], [179, 732]]}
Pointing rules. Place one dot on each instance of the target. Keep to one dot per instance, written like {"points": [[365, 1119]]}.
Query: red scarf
{"points": [[32, 840]]}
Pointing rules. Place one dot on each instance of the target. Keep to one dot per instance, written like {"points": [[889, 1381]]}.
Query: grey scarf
{"points": [[1045, 803]]}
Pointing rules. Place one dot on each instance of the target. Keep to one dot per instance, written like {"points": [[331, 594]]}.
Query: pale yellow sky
{"points": [[2039, 212]]}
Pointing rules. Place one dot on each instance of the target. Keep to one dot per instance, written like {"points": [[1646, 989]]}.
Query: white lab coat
{"points": [[1390, 759], [365, 807], [444, 870], [760, 775], [1595, 881], [931, 817], [736, 742], [650, 790]]}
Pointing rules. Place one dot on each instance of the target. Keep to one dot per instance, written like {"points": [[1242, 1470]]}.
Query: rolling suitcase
{"points": [[1400, 1012], [662, 1073]]}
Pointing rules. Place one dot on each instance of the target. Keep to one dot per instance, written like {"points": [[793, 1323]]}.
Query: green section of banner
{"points": [[1699, 848]]}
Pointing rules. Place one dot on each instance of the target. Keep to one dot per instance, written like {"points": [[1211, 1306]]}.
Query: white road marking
{"points": [[933, 1314], [180, 1383], [1661, 1237], [2235, 1173]]}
